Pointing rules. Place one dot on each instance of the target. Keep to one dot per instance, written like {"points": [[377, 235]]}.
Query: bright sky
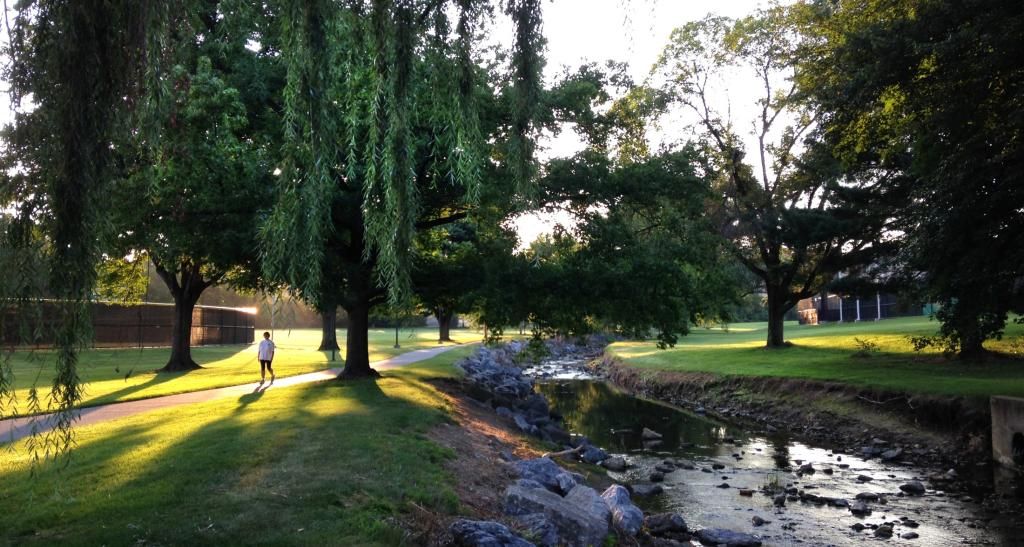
{"points": [[630, 31]]}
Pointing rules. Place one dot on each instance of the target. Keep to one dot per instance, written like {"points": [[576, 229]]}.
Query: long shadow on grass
{"points": [[338, 460], [116, 396]]}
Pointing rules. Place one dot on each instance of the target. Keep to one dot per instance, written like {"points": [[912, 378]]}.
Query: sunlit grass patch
{"points": [[826, 352], [325, 463], [112, 375]]}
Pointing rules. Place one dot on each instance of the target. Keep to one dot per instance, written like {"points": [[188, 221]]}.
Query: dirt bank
{"points": [[482, 442], [928, 430]]}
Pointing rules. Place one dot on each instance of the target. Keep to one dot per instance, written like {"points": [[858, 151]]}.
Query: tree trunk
{"points": [[357, 347], [972, 347], [444, 324], [186, 293], [181, 333], [329, 336], [776, 314]]}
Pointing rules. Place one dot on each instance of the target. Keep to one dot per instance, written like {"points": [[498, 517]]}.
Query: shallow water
{"points": [[614, 420]]}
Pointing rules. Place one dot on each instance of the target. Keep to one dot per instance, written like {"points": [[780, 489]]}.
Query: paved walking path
{"points": [[13, 429]]}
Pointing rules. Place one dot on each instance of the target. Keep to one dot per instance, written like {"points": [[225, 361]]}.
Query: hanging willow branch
{"points": [[79, 62], [300, 222], [387, 72], [527, 65]]}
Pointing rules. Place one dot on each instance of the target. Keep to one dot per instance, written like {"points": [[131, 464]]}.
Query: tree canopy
{"points": [[931, 91], [794, 216]]}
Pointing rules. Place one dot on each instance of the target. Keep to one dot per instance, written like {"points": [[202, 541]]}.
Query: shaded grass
{"points": [[826, 352], [328, 463], [125, 374]]}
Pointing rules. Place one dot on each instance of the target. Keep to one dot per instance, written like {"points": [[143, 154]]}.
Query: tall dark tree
{"points": [[642, 257], [794, 216], [933, 90], [447, 272], [195, 190], [383, 141]]}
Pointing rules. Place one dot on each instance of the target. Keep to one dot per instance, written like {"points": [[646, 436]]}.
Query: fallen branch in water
{"points": [[565, 453]]}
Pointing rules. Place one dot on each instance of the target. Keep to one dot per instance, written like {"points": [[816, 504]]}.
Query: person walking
{"points": [[266, 357]]}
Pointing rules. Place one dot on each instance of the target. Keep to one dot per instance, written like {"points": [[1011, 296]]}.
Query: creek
{"points": [[709, 497]]}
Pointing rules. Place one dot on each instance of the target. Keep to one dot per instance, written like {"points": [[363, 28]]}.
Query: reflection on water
{"points": [[615, 421]]}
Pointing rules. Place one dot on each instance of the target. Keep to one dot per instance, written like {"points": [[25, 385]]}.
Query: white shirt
{"points": [[266, 350]]}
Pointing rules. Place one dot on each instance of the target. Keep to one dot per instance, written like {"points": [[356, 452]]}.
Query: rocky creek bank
{"points": [[949, 436], [549, 504], [934, 431]]}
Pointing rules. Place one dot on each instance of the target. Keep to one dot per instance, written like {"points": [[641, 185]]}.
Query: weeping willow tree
{"points": [[76, 65], [383, 138]]}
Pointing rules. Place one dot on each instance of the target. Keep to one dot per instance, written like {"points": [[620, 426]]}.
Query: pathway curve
{"points": [[13, 429]]}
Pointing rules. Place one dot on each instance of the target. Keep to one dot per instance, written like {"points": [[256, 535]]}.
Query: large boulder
{"points": [[626, 516], [525, 426], [548, 473], [581, 517], [719, 536], [593, 454], [540, 528], [477, 533]]}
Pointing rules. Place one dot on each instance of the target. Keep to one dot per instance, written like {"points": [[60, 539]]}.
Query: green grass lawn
{"points": [[825, 352], [317, 464], [124, 374]]}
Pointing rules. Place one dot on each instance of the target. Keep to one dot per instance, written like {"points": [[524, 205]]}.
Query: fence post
{"points": [[878, 306]]}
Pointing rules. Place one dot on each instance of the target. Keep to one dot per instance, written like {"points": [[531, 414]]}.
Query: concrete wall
{"points": [[1008, 431]]}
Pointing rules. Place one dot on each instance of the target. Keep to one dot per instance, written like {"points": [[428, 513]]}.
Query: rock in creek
{"points": [[890, 455], [663, 468], [475, 533], [650, 435], [860, 509], [581, 517], [626, 516], [614, 463], [884, 531], [867, 496], [718, 536], [913, 488], [758, 521], [910, 535], [657, 476], [594, 455], [806, 468], [548, 474]]}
